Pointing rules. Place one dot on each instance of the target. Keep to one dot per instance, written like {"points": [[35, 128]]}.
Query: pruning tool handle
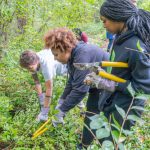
{"points": [[114, 64], [41, 129], [39, 133], [111, 77]]}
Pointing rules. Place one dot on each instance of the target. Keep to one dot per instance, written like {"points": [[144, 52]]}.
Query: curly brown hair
{"points": [[28, 58], [60, 38]]}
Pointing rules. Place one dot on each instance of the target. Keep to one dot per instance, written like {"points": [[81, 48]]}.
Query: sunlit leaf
{"points": [[96, 124], [127, 132], [113, 125], [116, 123], [122, 139], [121, 111], [102, 133], [121, 146], [107, 145], [139, 46], [143, 97], [138, 108], [131, 90], [135, 118], [115, 135], [102, 116], [94, 117]]}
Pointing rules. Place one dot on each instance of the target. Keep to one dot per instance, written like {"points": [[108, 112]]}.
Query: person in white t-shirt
{"points": [[43, 62]]}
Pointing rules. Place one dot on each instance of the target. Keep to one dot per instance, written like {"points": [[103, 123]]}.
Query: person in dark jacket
{"points": [[67, 50], [132, 46]]}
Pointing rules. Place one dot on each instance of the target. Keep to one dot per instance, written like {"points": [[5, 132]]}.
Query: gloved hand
{"points": [[43, 115], [81, 105], [41, 98], [60, 102], [59, 118], [101, 83]]}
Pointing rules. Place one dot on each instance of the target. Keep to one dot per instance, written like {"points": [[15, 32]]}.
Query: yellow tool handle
{"points": [[39, 133], [114, 64], [111, 77], [36, 132]]}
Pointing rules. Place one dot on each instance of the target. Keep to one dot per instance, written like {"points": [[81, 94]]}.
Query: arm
{"points": [[48, 95], [139, 64], [140, 73], [77, 88], [38, 87]]}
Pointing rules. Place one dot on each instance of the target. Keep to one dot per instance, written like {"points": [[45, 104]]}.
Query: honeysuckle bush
{"points": [[122, 139]]}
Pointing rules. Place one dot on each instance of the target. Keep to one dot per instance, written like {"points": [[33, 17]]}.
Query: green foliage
{"points": [[144, 4], [18, 100], [139, 46], [107, 145], [121, 111], [105, 129]]}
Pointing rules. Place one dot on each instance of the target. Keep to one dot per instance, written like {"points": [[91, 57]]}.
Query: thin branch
{"points": [[124, 122], [93, 135]]}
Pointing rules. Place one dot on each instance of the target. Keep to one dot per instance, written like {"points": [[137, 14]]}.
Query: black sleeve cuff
{"points": [[122, 87]]}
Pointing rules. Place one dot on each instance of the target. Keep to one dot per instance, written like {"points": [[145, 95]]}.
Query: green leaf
{"points": [[138, 108], [116, 123], [139, 46], [107, 145], [135, 118], [113, 125], [96, 124], [112, 58], [121, 139], [115, 135], [121, 111], [94, 117], [102, 116], [127, 132], [143, 97], [131, 90], [102, 133], [121, 146], [107, 127]]}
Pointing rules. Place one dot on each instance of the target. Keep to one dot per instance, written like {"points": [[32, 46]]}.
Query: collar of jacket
{"points": [[74, 50], [120, 38]]}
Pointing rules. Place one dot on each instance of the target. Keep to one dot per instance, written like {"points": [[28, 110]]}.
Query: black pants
{"points": [[92, 106], [108, 111]]}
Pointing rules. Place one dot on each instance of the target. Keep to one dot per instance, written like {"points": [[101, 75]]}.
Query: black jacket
{"points": [[126, 50], [75, 89]]}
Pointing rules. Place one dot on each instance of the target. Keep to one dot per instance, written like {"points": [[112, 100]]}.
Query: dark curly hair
{"points": [[28, 58], [60, 38]]}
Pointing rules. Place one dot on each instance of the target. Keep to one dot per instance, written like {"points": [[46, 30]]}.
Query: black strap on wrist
{"points": [[48, 96]]}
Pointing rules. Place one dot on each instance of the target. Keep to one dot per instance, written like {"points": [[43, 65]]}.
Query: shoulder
{"points": [[46, 58], [45, 52]]}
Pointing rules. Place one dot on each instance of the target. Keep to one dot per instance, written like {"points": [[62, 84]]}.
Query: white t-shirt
{"points": [[47, 64]]}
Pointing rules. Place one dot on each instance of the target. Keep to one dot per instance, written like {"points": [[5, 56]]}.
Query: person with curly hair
{"points": [[68, 50]]}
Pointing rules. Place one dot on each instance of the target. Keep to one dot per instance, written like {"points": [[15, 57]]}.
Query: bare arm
{"points": [[48, 95], [37, 83]]}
